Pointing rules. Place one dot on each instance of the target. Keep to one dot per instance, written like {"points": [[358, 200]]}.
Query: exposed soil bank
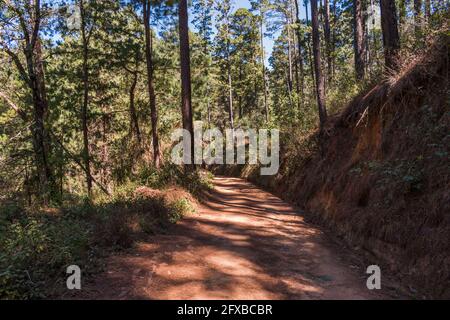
{"points": [[382, 178]]}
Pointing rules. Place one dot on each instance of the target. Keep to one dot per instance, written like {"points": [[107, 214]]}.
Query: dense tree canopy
{"points": [[90, 90]]}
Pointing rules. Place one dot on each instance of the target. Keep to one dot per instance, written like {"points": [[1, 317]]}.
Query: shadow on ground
{"points": [[244, 243]]}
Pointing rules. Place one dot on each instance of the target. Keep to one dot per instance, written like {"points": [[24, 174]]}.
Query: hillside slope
{"points": [[381, 180]]}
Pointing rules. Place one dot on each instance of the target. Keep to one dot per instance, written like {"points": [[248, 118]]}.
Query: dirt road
{"points": [[244, 243]]}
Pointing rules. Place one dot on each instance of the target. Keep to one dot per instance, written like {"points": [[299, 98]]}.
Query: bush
{"points": [[37, 245], [34, 249], [195, 182]]}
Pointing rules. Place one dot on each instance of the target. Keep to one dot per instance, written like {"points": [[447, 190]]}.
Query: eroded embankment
{"points": [[382, 180]]}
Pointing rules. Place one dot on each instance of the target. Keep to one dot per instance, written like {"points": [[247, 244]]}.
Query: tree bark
{"points": [[240, 107], [230, 82], [417, 17], [263, 61], [391, 40], [327, 33], [230, 97], [84, 108], [300, 47], [308, 40], [401, 14], [150, 86], [427, 10], [35, 78], [290, 74], [186, 99], [320, 80], [359, 39], [133, 114], [333, 42]]}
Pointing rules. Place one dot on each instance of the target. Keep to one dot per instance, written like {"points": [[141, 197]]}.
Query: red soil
{"points": [[244, 243]]}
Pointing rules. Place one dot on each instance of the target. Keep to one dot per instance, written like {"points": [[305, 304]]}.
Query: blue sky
{"points": [[268, 42]]}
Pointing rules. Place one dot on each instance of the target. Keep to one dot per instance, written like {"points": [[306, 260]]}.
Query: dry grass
{"points": [[382, 180]]}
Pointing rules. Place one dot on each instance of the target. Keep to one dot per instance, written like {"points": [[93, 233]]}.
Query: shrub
{"points": [[37, 245]]}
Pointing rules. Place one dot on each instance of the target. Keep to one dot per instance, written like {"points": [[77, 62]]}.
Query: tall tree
{"points": [[263, 6], [224, 42], [327, 36], [359, 38], [203, 22], [150, 85], [427, 10], [186, 99], [135, 127], [320, 80], [284, 7], [418, 17], [402, 14], [86, 33], [290, 53], [246, 61], [300, 42], [308, 43], [391, 39], [22, 31]]}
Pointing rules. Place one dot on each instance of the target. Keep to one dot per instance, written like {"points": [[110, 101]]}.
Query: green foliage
{"points": [[195, 182], [180, 208], [227, 63], [37, 246]]}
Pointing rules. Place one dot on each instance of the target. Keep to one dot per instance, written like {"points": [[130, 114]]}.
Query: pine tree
{"points": [[320, 80]]}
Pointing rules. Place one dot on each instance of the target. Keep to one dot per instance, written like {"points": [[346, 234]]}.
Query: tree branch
{"points": [[18, 64], [37, 21], [19, 111], [78, 162]]}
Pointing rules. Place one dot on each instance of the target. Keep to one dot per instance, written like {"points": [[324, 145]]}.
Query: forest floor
{"points": [[243, 243]]}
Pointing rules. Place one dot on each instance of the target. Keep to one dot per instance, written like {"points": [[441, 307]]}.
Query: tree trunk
{"points": [[41, 138], [263, 61], [41, 143], [208, 90], [207, 75], [295, 57], [327, 33], [401, 14], [300, 47], [320, 80], [34, 77], [359, 39], [333, 42], [240, 108], [230, 82], [308, 44], [150, 87], [291, 104], [186, 99], [290, 74], [230, 97], [297, 76], [133, 114], [391, 40], [84, 108], [105, 150], [417, 17], [373, 46], [427, 10]]}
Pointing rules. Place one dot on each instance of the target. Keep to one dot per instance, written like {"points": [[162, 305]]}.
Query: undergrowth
{"points": [[38, 244]]}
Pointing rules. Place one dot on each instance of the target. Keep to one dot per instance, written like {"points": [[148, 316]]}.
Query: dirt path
{"points": [[244, 243]]}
